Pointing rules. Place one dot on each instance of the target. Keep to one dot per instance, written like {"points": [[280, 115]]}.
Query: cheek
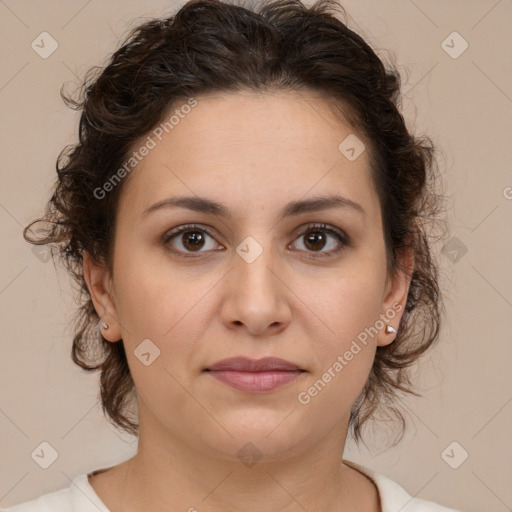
{"points": [[174, 318], [345, 353], [172, 308], [154, 297], [348, 307], [160, 303], [345, 366]]}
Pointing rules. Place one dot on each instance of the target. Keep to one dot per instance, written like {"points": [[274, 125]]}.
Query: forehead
{"points": [[251, 148]]}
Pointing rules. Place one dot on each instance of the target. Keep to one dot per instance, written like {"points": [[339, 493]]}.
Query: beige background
{"points": [[464, 104]]}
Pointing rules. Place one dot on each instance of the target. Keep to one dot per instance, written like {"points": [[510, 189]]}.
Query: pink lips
{"points": [[255, 376]]}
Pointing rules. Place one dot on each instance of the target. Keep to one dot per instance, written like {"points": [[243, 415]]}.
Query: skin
{"points": [[254, 153]]}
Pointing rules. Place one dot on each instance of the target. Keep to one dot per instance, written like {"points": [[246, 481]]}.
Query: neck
{"points": [[171, 474]]}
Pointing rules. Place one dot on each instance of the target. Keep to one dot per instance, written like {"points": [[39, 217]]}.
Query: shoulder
{"points": [[394, 498], [79, 496], [58, 500]]}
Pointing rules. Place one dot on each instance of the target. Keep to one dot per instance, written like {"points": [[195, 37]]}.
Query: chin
{"points": [[258, 434]]}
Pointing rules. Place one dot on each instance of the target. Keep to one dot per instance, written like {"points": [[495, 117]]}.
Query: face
{"points": [[269, 273]]}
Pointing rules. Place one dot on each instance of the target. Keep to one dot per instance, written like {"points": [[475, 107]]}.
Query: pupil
{"points": [[314, 238], [195, 239]]}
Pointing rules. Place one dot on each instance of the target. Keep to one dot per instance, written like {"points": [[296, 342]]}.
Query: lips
{"points": [[255, 376], [244, 364]]}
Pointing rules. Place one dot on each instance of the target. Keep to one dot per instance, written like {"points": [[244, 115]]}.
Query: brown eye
{"points": [[315, 240], [190, 239], [320, 236]]}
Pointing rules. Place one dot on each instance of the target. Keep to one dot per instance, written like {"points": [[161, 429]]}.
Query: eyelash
{"points": [[339, 234]]}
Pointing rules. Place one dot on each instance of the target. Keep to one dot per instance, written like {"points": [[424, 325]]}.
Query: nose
{"points": [[256, 294]]}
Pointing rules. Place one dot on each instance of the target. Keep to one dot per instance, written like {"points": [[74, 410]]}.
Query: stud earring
{"points": [[104, 325], [390, 329]]}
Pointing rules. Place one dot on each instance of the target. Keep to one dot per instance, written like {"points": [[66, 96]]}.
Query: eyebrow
{"points": [[293, 208]]}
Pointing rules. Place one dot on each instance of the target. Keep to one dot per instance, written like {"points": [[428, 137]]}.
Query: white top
{"points": [[81, 497]]}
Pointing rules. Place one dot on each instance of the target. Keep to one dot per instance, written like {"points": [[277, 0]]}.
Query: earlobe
{"points": [[397, 291], [98, 279]]}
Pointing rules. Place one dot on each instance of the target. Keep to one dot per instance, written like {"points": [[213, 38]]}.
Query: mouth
{"points": [[255, 376]]}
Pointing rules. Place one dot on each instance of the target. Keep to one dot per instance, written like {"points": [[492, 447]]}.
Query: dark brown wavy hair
{"points": [[211, 46]]}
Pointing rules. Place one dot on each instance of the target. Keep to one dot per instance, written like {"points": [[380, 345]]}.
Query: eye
{"points": [[316, 237], [193, 238]]}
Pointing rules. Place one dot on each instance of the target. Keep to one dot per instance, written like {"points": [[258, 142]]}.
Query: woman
{"points": [[245, 215]]}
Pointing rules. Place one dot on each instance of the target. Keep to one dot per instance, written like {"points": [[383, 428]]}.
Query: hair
{"points": [[210, 46]]}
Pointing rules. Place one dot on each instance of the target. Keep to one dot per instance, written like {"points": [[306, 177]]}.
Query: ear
{"points": [[99, 283], [397, 290]]}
